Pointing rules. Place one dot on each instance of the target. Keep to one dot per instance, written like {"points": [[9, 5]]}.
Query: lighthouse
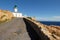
{"points": [[15, 8], [16, 13]]}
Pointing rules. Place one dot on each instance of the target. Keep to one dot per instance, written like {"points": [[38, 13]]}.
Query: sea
{"points": [[50, 23]]}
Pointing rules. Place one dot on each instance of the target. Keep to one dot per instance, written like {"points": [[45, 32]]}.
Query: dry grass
{"points": [[5, 16], [54, 30]]}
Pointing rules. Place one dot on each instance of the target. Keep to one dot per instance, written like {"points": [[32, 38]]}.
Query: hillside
{"points": [[5, 15], [52, 32]]}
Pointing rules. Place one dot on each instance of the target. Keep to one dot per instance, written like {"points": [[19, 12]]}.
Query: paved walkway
{"points": [[14, 30]]}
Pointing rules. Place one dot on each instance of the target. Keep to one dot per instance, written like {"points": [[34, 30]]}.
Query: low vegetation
{"points": [[5, 16], [32, 18]]}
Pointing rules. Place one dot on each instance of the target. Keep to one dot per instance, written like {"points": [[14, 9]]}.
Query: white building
{"points": [[16, 13]]}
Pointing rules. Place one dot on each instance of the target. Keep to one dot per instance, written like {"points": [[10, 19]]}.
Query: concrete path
{"points": [[14, 30]]}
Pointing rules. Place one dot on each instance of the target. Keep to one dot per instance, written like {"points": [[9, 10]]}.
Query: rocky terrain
{"points": [[52, 31], [5, 15]]}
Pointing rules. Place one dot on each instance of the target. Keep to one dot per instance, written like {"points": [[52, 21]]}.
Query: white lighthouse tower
{"points": [[16, 13], [15, 9]]}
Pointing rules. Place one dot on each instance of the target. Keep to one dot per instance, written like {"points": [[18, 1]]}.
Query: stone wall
{"points": [[45, 32], [37, 29]]}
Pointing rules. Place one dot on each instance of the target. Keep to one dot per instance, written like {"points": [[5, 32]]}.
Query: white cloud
{"points": [[58, 17], [41, 19], [53, 18]]}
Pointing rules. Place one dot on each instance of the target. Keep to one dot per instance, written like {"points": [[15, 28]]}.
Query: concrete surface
{"points": [[14, 30]]}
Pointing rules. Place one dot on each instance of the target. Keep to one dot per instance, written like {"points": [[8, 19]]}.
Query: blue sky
{"points": [[43, 10]]}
